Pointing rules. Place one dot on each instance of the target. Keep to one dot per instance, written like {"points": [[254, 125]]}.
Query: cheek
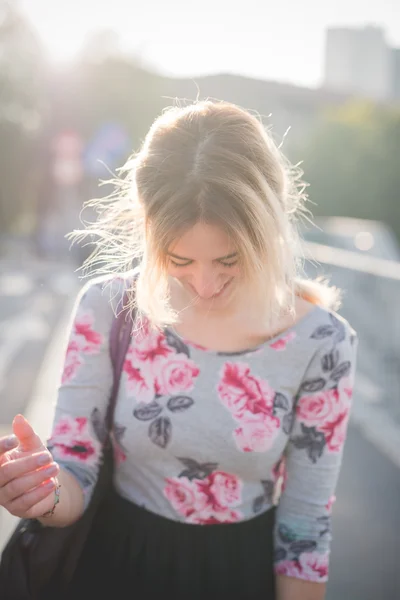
{"points": [[178, 272], [236, 271], [233, 272]]}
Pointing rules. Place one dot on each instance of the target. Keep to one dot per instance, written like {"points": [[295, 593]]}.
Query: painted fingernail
{"points": [[51, 470], [11, 442], [44, 459]]}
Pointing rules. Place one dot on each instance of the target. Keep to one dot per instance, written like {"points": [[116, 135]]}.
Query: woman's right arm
{"points": [[78, 430]]}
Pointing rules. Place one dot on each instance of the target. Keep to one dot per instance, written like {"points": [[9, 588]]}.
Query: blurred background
{"points": [[79, 88]]}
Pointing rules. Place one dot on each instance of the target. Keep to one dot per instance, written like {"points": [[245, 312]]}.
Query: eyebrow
{"points": [[227, 257]]}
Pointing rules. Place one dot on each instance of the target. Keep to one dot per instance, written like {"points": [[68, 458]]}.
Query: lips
{"points": [[214, 296], [220, 291]]}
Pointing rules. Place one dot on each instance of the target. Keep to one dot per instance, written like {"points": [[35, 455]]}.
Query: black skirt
{"points": [[135, 554]]}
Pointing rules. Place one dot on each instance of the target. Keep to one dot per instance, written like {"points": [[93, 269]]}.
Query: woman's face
{"points": [[206, 264]]}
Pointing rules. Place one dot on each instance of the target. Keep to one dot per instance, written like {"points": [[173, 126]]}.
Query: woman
{"points": [[236, 388]]}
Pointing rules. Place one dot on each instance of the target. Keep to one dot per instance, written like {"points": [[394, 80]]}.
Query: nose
{"points": [[205, 283]]}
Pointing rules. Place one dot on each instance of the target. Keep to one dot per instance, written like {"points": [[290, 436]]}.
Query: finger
{"points": [[40, 508], [22, 466], [21, 507], [8, 443], [22, 485], [28, 439]]}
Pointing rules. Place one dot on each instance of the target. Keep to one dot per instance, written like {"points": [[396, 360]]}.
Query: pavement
{"points": [[366, 524], [35, 305], [36, 300], [33, 296]]}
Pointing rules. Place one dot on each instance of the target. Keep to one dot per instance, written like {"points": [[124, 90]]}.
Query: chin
{"points": [[222, 299]]}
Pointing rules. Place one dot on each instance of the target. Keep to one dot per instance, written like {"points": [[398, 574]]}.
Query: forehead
{"points": [[203, 242]]}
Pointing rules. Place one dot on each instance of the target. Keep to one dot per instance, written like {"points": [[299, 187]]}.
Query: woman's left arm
{"points": [[312, 465], [290, 588]]}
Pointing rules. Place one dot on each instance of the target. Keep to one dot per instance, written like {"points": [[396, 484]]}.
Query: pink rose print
{"points": [[71, 439], [71, 365], [318, 408], [335, 431], [153, 368], [250, 400], [173, 375], [206, 501], [329, 412], [225, 488], [185, 497], [346, 387], [257, 436], [140, 382], [149, 345], [244, 394], [314, 566], [177, 374], [290, 568], [283, 341], [214, 516], [86, 338], [331, 502], [311, 566], [83, 340], [68, 426]]}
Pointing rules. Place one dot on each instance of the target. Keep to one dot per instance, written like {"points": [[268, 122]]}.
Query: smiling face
{"points": [[206, 264]]}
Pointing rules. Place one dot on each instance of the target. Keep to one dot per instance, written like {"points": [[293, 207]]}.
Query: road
{"points": [[366, 524], [32, 298]]}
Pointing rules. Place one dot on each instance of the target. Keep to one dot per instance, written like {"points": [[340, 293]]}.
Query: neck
{"points": [[241, 310]]}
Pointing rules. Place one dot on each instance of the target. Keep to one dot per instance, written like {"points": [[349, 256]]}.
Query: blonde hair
{"points": [[216, 163]]}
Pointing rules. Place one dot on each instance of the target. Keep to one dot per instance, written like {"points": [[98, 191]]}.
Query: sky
{"points": [[282, 40]]}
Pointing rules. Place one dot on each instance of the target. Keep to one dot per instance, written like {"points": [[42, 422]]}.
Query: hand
{"points": [[27, 472]]}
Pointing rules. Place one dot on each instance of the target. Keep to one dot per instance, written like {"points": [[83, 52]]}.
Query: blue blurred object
{"points": [[109, 146]]}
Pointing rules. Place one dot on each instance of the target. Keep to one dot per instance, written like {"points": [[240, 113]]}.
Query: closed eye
{"points": [[229, 260], [176, 264], [225, 264], [186, 264]]}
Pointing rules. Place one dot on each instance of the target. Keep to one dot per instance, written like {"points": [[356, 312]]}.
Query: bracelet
{"points": [[49, 513]]}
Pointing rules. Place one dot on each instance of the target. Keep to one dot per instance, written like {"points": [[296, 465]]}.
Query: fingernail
{"points": [[52, 470], [49, 484], [44, 459], [11, 442], [20, 418]]}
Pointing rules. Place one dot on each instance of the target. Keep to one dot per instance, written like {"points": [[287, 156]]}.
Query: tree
{"points": [[21, 106], [351, 163]]}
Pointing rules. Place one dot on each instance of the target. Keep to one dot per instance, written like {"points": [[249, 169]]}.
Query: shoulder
{"points": [[325, 324], [332, 343], [105, 293]]}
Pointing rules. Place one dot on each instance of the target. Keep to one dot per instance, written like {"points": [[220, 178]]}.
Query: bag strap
{"points": [[120, 337]]}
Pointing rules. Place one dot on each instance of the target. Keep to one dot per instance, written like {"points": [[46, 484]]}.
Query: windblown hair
{"points": [[210, 162]]}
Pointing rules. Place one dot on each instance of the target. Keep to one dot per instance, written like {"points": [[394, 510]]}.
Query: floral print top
{"points": [[205, 437]]}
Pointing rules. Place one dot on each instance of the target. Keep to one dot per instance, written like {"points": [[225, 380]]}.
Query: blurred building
{"points": [[360, 62]]}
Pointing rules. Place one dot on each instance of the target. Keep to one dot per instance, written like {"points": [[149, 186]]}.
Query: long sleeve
{"points": [[314, 455], [78, 430]]}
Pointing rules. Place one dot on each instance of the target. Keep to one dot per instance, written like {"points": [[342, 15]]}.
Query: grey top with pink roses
{"points": [[205, 437]]}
